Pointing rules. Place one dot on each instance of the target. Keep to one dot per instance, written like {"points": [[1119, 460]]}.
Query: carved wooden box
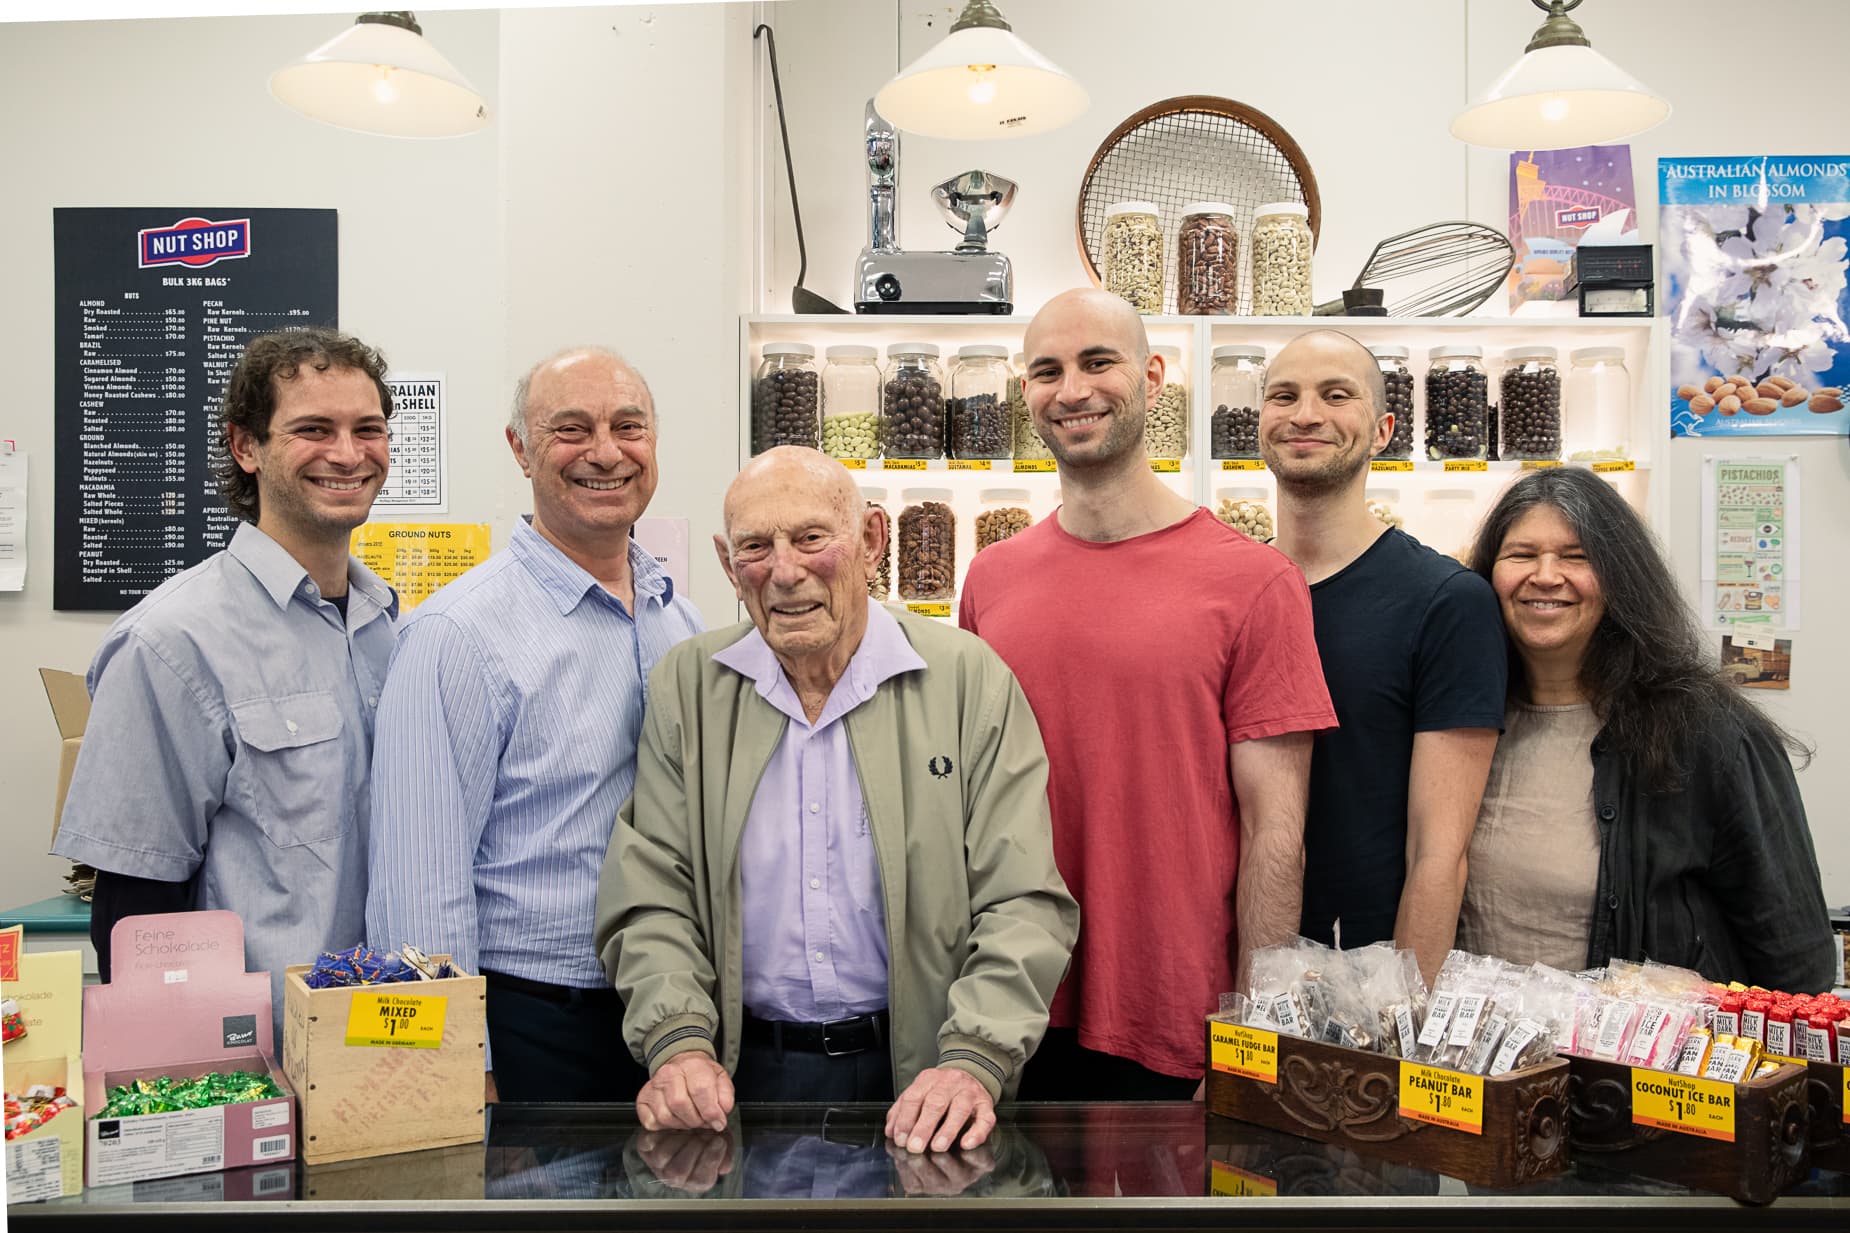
{"points": [[1830, 1135], [1760, 1150], [1353, 1099]]}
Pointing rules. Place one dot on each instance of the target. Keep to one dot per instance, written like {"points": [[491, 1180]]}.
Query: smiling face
{"points": [[325, 459], [1321, 422], [1091, 379], [589, 450], [799, 547], [1547, 588]]}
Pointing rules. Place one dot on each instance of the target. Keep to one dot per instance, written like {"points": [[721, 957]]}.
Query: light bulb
{"points": [[982, 90], [383, 89], [1555, 110]]}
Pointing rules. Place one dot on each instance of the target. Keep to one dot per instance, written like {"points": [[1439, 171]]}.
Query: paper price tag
{"points": [[1242, 464], [1700, 1107], [930, 610], [1228, 1182], [1391, 464], [1845, 1072], [1236, 1049], [396, 1021], [1442, 1097], [1467, 464], [1167, 466], [1028, 465], [1626, 465], [1540, 464], [903, 464], [970, 464], [853, 464]]}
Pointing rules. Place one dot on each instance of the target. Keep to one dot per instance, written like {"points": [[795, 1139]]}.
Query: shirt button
{"points": [[372, 701], [1608, 813], [818, 956], [815, 884], [814, 807], [289, 724]]}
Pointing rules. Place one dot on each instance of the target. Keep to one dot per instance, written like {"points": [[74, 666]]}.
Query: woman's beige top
{"points": [[1534, 862]]}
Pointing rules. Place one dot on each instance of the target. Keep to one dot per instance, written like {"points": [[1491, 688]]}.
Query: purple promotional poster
{"points": [[1559, 198]]}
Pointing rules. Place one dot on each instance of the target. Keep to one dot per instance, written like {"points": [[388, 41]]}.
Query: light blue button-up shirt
{"points": [[230, 735], [507, 742], [813, 916]]}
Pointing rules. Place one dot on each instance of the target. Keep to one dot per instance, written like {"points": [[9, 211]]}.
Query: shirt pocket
{"points": [[294, 766]]}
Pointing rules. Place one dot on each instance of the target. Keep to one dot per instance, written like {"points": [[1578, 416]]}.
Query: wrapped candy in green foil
{"points": [[169, 1095]]}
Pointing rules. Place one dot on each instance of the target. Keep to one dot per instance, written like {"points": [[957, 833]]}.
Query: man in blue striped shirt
{"points": [[507, 737]]}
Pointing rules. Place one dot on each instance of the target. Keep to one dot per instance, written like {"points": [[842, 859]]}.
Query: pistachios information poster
{"points": [[1750, 543], [1754, 257]]}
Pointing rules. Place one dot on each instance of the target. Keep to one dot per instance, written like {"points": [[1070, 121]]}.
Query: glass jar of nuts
{"points": [[979, 423], [1246, 510], [1529, 405], [880, 582], [1281, 260], [1028, 443], [1165, 426], [851, 402], [1237, 386], [1133, 254], [785, 398], [1383, 504], [912, 411], [1457, 402], [1004, 514], [1207, 260], [1398, 380], [926, 544]]}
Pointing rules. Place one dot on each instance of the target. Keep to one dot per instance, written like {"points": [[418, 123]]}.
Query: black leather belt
{"points": [[836, 1038], [550, 993]]}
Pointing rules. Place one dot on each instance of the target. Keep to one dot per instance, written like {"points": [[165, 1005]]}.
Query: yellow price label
{"points": [[1391, 464], [853, 464], [396, 1020], [1240, 1050], [1845, 1072], [1442, 1097], [1026, 465], [903, 464], [1466, 464], [1626, 465], [1540, 464], [1167, 466], [1701, 1107], [1242, 464], [1228, 1182], [971, 464], [931, 610]]}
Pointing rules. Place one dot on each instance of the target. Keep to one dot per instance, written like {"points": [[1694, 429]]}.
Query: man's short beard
{"points": [[1119, 439]]}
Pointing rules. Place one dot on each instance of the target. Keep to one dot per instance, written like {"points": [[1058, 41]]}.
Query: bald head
{"points": [[804, 476], [1334, 351], [1097, 314]]}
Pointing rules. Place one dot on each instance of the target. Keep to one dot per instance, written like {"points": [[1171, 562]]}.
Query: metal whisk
{"points": [[1439, 270]]}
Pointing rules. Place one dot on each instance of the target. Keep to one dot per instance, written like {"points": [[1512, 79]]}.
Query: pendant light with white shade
{"points": [[382, 77], [1561, 93], [981, 81]]}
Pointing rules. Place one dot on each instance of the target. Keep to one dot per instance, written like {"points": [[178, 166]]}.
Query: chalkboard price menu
{"points": [[153, 308]]}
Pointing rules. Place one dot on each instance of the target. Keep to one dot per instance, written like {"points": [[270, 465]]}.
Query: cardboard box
{"points": [[70, 707], [386, 1068], [181, 1005], [46, 1163]]}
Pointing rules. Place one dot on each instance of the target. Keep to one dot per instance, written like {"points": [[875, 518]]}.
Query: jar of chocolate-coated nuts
{"points": [[1004, 514], [1165, 425], [1207, 260], [851, 402], [912, 402], [880, 582], [926, 544], [1238, 388], [1281, 260], [1397, 379], [785, 400], [980, 425], [1133, 254], [1529, 404], [1457, 403], [1027, 442]]}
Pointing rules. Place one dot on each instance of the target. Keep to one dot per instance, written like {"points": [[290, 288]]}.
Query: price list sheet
{"points": [[153, 308]]}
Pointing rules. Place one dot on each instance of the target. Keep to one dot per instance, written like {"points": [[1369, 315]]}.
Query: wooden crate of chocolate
{"points": [[1747, 1140], [1825, 1092], [1494, 1132]]}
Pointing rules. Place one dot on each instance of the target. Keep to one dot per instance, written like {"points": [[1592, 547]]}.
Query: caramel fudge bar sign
{"points": [[154, 307]]}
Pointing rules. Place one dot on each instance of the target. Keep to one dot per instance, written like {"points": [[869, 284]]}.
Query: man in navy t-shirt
{"points": [[1413, 653]]}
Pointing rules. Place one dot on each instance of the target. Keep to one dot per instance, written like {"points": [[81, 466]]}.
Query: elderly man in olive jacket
{"points": [[835, 878]]}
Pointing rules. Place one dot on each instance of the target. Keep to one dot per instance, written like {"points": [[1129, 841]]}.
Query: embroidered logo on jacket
{"points": [[941, 766]]}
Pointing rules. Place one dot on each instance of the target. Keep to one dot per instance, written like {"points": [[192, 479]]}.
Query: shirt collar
{"points": [[884, 653], [282, 577], [568, 582]]}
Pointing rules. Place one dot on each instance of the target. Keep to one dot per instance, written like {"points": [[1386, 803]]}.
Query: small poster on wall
{"points": [[1754, 261], [1560, 199], [1750, 543]]}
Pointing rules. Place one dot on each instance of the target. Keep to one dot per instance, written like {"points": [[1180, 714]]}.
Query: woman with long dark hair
{"points": [[1639, 806]]}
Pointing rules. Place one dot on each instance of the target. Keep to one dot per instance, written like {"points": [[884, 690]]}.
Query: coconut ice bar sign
{"points": [[1755, 263]]}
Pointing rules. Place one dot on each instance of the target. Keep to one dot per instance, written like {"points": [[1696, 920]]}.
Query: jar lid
{"points": [[1588, 355], [930, 349], [982, 351], [1206, 207], [1389, 351], [1004, 494], [1456, 351], [1168, 353], [876, 495], [1130, 207], [852, 351], [802, 349], [1239, 352], [1260, 495], [1517, 354], [1283, 207], [912, 496]]}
